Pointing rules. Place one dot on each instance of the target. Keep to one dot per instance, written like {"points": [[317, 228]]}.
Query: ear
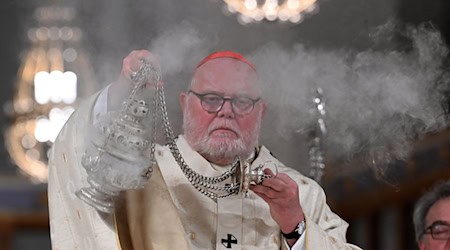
{"points": [[264, 108], [183, 101], [421, 244]]}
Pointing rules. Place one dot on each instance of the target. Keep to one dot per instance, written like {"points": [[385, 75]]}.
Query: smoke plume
{"points": [[378, 101]]}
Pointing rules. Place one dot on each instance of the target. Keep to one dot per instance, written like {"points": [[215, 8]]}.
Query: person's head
{"points": [[432, 218], [221, 129]]}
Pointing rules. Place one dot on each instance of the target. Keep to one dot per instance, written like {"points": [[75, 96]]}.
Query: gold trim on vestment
{"points": [[116, 232]]}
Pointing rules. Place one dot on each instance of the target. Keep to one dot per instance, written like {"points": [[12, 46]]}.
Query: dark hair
{"points": [[439, 191]]}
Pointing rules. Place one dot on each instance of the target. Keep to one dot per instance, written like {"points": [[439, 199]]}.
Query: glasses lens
{"points": [[211, 102], [440, 232], [243, 104]]}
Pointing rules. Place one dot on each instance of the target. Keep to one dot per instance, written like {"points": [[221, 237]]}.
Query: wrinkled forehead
{"points": [[226, 76]]}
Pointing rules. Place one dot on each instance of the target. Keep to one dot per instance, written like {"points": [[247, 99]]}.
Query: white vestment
{"points": [[169, 213]]}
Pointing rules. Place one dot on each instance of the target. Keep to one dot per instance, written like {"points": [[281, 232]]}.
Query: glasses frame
{"points": [[431, 230], [224, 99]]}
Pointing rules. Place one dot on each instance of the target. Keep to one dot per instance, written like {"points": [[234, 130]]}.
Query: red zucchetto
{"points": [[225, 54]]}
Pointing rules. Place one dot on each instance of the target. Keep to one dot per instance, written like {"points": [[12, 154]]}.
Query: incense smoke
{"points": [[377, 101]]}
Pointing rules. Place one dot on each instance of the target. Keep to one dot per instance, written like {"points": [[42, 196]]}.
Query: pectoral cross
{"points": [[229, 241]]}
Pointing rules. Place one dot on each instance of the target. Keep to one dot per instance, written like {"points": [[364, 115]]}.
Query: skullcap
{"points": [[226, 54]]}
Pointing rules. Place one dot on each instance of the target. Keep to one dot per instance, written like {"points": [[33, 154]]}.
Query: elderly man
{"points": [[223, 111], [432, 218]]}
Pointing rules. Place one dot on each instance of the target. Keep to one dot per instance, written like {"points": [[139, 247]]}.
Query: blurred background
{"points": [[363, 83]]}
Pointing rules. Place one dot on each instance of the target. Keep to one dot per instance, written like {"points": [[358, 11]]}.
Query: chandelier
{"points": [[47, 88], [293, 11]]}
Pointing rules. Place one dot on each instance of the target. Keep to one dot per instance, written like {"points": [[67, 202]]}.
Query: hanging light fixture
{"points": [[272, 10], [47, 88]]}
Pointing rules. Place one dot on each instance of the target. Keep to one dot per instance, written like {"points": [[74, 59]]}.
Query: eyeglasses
{"points": [[213, 103], [438, 230]]}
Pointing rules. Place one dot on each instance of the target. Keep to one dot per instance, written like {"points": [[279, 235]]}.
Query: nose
{"points": [[226, 110]]}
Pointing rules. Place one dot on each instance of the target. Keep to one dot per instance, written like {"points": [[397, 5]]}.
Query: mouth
{"points": [[224, 132]]}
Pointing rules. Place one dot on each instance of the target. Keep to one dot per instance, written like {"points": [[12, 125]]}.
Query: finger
{"points": [[268, 171], [285, 178], [270, 196], [267, 191], [133, 62], [264, 197], [153, 59], [274, 183]]}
